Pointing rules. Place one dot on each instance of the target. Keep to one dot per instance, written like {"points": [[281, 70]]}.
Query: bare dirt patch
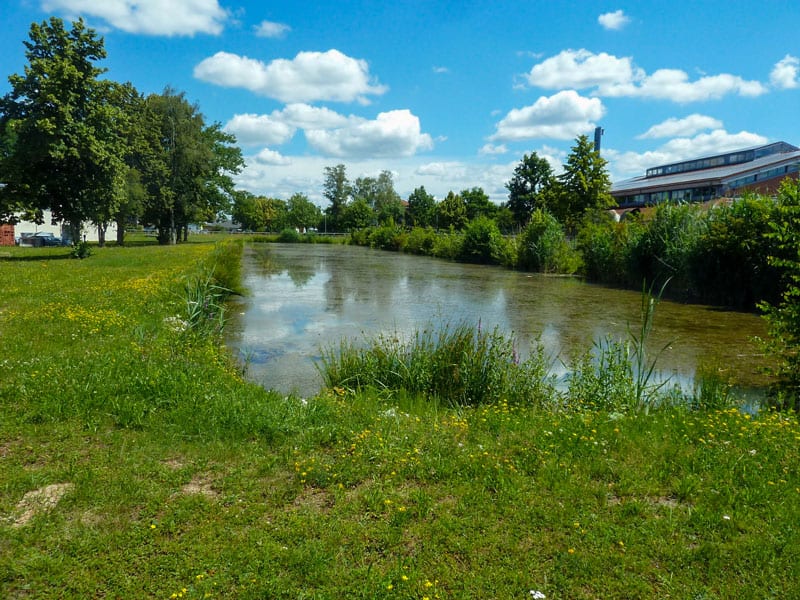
{"points": [[37, 502], [200, 485]]}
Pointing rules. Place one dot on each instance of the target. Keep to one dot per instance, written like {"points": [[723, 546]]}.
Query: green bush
{"points": [[543, 246], [386, 237], [448, 245], [420, 240], [730, 263], [482, 242], [289, 235]]}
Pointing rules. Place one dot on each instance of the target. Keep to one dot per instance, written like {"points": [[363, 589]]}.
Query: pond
{"points": [[306, 297]]}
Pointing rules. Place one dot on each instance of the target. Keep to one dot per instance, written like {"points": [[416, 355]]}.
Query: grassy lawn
{"points": [[136, 462]]}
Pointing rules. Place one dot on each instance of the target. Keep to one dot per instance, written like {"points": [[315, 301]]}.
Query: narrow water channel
{"points": [[305, 297]]}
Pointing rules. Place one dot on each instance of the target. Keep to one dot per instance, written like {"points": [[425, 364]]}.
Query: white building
{"points": [[89, 232]]}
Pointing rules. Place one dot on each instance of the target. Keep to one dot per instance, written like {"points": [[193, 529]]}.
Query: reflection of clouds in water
{"points": [[356, 294]]}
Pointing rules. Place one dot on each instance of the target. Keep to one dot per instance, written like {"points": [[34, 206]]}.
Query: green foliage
{"points": [[585, 184], [543, 246], [337, 191], [81, 250], [530, 188], [666, 247], [356, 215], [193, 165], [482, 242], [604, 245], [730, 261], [289, 235], [448, 245], [257, 213], [451, 213], [302, 213], [421, 208], [420, 241], [477, 204], [459, 366], [61, 129], [784, 318]]}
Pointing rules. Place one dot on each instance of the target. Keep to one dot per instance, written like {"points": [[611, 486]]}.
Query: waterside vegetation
{"points": [[137, 461]]}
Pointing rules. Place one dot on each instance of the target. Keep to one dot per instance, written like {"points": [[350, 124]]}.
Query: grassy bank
{"points": [[136, 462]]}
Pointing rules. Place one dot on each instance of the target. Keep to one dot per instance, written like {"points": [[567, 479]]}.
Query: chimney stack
{"points": [[598, 132]]}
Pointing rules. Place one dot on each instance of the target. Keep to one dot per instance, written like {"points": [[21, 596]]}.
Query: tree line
{"points": [[94, 150]]}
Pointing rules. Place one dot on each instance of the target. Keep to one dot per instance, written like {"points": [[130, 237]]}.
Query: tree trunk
{"points": [[101, 234], [120, 233]]}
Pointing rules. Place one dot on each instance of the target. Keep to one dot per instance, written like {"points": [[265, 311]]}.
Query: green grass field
{"points": [[137, 462]]}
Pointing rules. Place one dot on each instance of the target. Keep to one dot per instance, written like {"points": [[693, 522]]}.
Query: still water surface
{"points": [[305, 297]]}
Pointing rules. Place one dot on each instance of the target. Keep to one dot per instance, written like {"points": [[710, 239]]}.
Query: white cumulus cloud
{"points": [[151, 17], [308, 77], [271, 157], [786, 73], [254, 130], [581, 69], [392, 134], [686, 126], [279, 126], [269, 29], [489, 149], [561, 116], [613, 20], [611, 76]]}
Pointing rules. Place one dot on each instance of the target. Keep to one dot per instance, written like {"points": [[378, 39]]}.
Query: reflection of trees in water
{"points": [[364, 276], [266, 263]]}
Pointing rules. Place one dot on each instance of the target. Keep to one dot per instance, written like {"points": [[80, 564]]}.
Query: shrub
{"points": [[730, 263], [448, 245], [386, 237], [289, 235], [482, 242], [420, 240], [543, 246]]}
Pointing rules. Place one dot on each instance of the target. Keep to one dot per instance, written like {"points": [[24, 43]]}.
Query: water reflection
{"points": [[306, 297]]}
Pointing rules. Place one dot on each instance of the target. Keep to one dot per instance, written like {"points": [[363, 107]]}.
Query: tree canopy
{"points": [[60, 126]]}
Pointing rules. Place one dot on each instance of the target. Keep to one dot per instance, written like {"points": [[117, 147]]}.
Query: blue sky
{"points": [[451, 95]]}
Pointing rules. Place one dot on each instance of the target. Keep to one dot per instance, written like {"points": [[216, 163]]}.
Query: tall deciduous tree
{"points": [[478, 204], [60, 129], [585, 183], [452, 212], [302, 213], [199, 160], [530, 188], [337, 191], [421, 208]]}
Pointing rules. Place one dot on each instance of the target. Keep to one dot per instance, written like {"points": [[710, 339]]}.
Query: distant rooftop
{"points": [[707, 177]]}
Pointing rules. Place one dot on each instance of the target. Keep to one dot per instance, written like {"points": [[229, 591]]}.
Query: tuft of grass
{"points": [[455, 364]]}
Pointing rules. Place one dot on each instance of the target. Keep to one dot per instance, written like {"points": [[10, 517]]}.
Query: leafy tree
{"points": [[482, 242], [585, 183], [199, 161], [59, 126], [302, 213], [337, 191], [356, 215], [421, 208], [784, 318], [530, 188], [380, 195], [477, 203], [258, 213], [452, 212]]}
